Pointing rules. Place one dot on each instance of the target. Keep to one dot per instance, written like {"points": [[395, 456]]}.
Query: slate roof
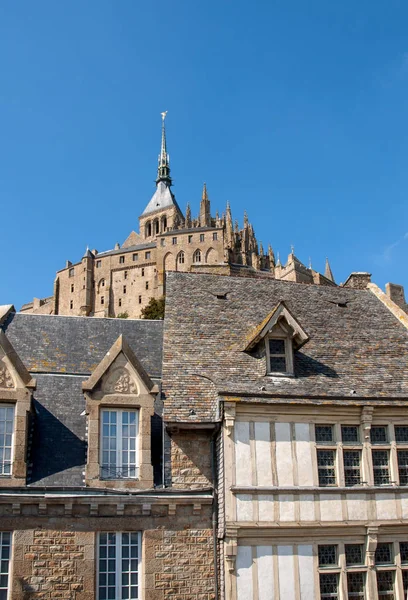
{"points": [[58, 344], [62, 352], [361, 347], [162, 198]]}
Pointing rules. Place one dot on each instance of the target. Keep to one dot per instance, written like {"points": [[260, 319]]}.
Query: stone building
{"points": [[122, 280], [309, 388]]}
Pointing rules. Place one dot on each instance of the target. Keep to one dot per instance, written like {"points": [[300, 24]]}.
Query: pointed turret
{"points": [[163, 170], [188, 216], [328, 272], [229, 230], [205, 211], [271, 255]]}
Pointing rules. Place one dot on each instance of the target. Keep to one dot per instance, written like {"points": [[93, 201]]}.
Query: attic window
{"points": [[279, 353]]}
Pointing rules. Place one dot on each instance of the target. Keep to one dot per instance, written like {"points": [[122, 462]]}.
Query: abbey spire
{"points": [[163, 170]]}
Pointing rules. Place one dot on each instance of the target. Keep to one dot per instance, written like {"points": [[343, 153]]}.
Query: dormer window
{"points": [[279, 355]]}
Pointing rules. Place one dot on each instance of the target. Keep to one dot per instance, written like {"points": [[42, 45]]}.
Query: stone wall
{"points": [[191, 460]]}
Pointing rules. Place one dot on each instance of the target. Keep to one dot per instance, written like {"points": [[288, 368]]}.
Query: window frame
{"points": [[119, 443], [3, 475], [118, 562], [341, 569], [289, 360], [8, 574]]}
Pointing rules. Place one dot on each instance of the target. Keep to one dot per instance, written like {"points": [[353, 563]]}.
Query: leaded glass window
{"points": [[351, 460], [405, 581], [324, 434], [350, 434], [329, 585], [384, 554], [6, 439], [402, 456], [277, 356], [5, 555], [381, 467], [119, 444], [326, 467], [354, 554], [404, 552], [355, 584], [378, 434], [118, 573], [401, 434], [327, 555], [385, 585]]}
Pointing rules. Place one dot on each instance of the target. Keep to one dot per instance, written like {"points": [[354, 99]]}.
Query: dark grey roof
{"points": [[58, 344], [144, 246], [58, 449], [360, 347]]}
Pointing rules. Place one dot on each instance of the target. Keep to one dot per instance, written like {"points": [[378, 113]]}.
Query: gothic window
{"points": [[328, 555], [197, 256], [164, 223], [148, 229], [156, 227], [180, 258], [119, 435], [329, 586], [102, 283]]}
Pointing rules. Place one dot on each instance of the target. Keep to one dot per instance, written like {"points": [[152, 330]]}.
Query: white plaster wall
{"points": [[357, 507], [306, 572], [404, 506], [266, 575], [307, 507], [303, 454], [284, 464], [286, 573], [242, 454], [245, 507], [266, 508], [244, 573], [263, 454], [286, 507], [386, 506], [330, 507]]}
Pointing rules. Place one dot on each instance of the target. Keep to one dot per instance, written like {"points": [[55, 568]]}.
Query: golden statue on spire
{"points": [[163, 114]]}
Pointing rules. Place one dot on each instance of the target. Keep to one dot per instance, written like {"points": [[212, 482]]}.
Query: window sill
{"points": [[280, 375]]}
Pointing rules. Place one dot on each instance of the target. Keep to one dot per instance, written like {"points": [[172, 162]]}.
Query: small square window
{"points": [[147, 255], [350, 434], [71, 272], [354, 554], [121, 260], [125, 274], [174, 241], [401, 434], [98, 264], [324, 434], [378, 434], [215, 236], [404, 552], [327, 555], [384, 554], [201, 237], [190, 239], [135, 257]]}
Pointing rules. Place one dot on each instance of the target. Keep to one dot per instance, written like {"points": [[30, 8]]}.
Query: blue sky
{"points": [[293, 110]]}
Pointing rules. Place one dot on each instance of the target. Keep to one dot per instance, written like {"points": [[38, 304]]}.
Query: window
{"points": [[102, 299], [140, 299], [118, 444], [6, 439], [385, 585], [120, 302], [124, 289], [135, 257], [174, 241], [276, 356], [401, 439], [181, 258], [326, 467], [162, 242], [71, 272], [381, 467], [147, 285], [351, 461], [350, 434], [118, 565], [125, 274], [197, 256], [384, 554], [190, 239], [121, 260], [378, 434], [102, 283], [324, 434], [72, 288], [148, 229], [71, 304], [332, 578], [147, 255], [215, 236], [5, 555], [201, 237], [384, 557], [98, 264], [143, 271]]}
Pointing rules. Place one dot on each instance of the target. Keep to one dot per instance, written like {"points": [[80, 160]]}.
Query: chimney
{"points": [[396, 293], [358, 281]]}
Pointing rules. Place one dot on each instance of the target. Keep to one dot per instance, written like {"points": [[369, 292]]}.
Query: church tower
{"points": [[162, 212]]}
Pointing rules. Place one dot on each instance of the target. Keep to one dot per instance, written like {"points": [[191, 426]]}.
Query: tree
{"points": [[154, 309], [123, 315]]}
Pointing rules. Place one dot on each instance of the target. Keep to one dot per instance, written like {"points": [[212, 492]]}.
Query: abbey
{"points": [[122, 280]]}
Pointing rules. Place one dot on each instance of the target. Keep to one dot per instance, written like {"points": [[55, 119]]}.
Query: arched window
{"points": [[197, 256], [180, 258], [164, 223], [156, 226], [101, 284], [148, 229]]}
